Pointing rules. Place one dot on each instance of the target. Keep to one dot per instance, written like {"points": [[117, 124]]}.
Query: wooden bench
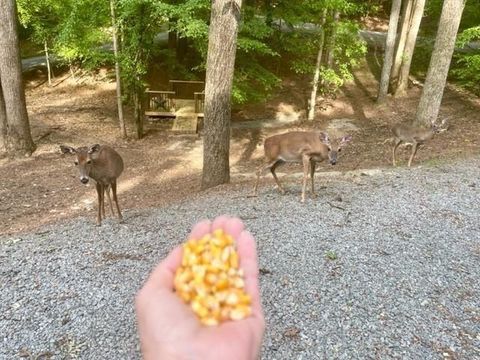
{"points": [[185, 101], [160, 103]]}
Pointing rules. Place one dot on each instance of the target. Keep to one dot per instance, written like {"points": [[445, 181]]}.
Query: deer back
{"points": [[290, 146], [411, 134]]}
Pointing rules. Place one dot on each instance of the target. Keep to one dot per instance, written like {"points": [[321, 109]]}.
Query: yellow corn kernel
{"points": [[225, 313], [245, 299], [232, 299], [209, 321], [210, 279], [226, 254], [240, 312], [186, 296], [198, 308], [238, 283], [210, 302], [234, 260], [221, 284]]}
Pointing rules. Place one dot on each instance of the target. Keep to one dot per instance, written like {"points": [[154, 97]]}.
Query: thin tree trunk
{"points": [[121, 120], [409, 48], [389, 48], [18, 137], [432, 94], [47, 59], [222, 40], [333, 36], [138, 112], [316, 75], [400, 47], [3, 124]]}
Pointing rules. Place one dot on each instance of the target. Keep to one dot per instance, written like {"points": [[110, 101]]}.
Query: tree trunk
{"points": [[389, 48], [400, 47], [47, 59], [333, 36], [409, 48], [18, 137], [316, 75], [431, 98], [118, 78], [138, 112], [222, 40], [3, 124]]}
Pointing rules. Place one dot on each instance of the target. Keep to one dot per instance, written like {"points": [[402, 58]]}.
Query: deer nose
{"points": [[333, 162], [84, 180]]}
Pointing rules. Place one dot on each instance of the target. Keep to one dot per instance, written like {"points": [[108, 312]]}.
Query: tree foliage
{"points": [[467, 64], [275, 37]]}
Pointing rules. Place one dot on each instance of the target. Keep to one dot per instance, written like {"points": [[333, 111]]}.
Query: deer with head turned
{"points": [[307, 148], [102, 164], [415, 136]]}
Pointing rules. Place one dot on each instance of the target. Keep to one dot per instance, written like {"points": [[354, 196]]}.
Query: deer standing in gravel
{"points": [[102, 164], [415, 136], [307, 148]]}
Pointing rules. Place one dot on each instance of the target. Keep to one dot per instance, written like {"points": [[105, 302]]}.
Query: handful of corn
{"points": [[210, 280]]}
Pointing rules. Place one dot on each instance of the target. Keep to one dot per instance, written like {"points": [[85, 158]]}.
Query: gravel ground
{"points": [[381, 266]]}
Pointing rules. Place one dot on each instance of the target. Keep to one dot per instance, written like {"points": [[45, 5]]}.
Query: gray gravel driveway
{"points": [[382, 266]]}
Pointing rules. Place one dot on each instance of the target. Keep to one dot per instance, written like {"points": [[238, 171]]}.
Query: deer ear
{"points": [[346, 139], [324, 137], [94, 148], [67, 149]]}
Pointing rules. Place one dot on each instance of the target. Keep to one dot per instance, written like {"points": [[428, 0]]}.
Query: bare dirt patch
{"points": [[163, 168]]}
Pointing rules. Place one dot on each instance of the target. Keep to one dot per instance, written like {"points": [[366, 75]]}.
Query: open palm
{"points": [[169, 329]]}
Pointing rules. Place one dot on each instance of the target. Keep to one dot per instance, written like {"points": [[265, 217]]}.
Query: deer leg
{"points": [[395, 147], [107, 190], [272, 170], [312, 174], [103, 202], [306, 165], [414, 151], [261, 169], [99, 195], [114, 193]]}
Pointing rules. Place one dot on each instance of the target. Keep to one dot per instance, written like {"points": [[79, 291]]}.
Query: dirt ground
{"points": [[163, 167]]}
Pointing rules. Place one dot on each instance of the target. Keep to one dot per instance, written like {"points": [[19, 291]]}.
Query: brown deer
{"points": [[415, 136], [300, 147], [102, 164]]}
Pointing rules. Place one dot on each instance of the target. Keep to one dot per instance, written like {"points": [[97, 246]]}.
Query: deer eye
{"points": [[89, 161], [75, 162], [339, 149]]}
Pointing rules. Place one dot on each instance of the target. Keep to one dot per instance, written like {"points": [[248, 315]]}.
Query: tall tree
{"points": [[121, 120], [406, 21], [411, 39], [332, 38], [316, 75], [222, 41], [17, 138], [431, 98], [389, 49], [3, 124]]}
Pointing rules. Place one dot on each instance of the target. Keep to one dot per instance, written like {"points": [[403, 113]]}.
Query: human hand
{"points": [[169, 329]]}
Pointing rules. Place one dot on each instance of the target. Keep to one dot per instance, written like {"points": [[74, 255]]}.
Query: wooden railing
{"points": [[160, 103], [199, 98]]}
